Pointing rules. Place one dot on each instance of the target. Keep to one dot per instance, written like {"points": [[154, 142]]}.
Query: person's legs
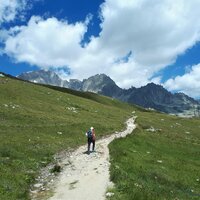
{"points": [[89, 142], [93, 145]]}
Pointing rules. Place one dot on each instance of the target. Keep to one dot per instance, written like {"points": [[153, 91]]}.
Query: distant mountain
{"points": [[101, 84], [149, 96], [74, 84], [42, 76], [157, 97]]}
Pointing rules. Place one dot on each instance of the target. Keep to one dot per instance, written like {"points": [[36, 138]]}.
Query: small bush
{"points": [[56, 169]]}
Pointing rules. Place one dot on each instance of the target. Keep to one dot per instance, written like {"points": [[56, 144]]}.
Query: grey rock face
{"points": [[101, 84], [157, 97], [74, 84], [43, 77]]}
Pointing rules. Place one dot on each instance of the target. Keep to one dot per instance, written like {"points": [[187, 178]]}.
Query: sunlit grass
{"points": [[36, 122], [160, 160]]}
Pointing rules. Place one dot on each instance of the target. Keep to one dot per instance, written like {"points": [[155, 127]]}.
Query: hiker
{"points": [[91, 138]]}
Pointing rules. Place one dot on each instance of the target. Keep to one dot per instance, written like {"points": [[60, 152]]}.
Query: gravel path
{"points": [[87, 176]]}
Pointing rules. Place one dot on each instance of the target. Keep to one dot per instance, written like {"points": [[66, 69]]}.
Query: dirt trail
{"points": [[87, 176]]}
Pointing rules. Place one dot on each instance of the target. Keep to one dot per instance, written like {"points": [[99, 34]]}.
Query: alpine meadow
{"points": [[99, 100], [159, 160], [37, 122]]}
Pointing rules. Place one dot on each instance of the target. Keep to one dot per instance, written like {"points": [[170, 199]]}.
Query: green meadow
{"points": [[38, 121], [159, 160]]}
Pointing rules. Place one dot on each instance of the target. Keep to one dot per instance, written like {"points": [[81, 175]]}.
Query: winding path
{"points": [[87, 176]]}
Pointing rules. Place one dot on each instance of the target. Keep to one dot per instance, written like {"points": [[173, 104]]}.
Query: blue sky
{"points": [[71, 10], [133, 41]]}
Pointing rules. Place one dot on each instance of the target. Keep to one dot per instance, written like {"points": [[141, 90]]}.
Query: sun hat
{"points": [[92, 128]]}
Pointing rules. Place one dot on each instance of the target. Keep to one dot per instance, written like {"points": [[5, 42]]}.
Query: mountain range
{"points": [[151, 96]]}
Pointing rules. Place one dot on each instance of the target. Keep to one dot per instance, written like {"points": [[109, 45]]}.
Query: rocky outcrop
{"points": [[43, 77], [101, 84]]}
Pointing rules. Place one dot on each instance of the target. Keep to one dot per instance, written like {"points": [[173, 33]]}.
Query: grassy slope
{"points": [[164, 164], [31, 117]]}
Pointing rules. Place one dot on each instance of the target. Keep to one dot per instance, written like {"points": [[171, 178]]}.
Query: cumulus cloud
{"points": [[155, 32], [46, 43], [189, 83], [9, 9]]}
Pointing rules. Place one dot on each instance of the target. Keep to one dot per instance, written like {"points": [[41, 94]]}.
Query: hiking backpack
{"points": [[89, 134]]}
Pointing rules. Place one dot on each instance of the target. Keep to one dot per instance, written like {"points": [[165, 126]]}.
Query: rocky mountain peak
{"points": [[100, 78], [74, 84], [154, 87], [42, 76], [97, 83], [155, 92]]}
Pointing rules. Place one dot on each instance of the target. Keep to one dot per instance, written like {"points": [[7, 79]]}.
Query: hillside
{"points": [[36, 122], [149, 96], [160, 160]]}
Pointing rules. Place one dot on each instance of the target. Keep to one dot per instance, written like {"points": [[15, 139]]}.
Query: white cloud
{"points": [[155, 31], [9, 9], [46, 43], [189, 83]]}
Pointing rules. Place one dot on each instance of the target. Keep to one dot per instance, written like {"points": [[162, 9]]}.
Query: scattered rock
{"points": [[151, 109], [138, 185], [34, 191], [38, 185], [11, 105], [152, 129], [73, 109], [178, 124], [109, 194]]}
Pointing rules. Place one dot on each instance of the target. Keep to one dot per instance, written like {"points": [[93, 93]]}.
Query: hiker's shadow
{"points": [[91, 152]]}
